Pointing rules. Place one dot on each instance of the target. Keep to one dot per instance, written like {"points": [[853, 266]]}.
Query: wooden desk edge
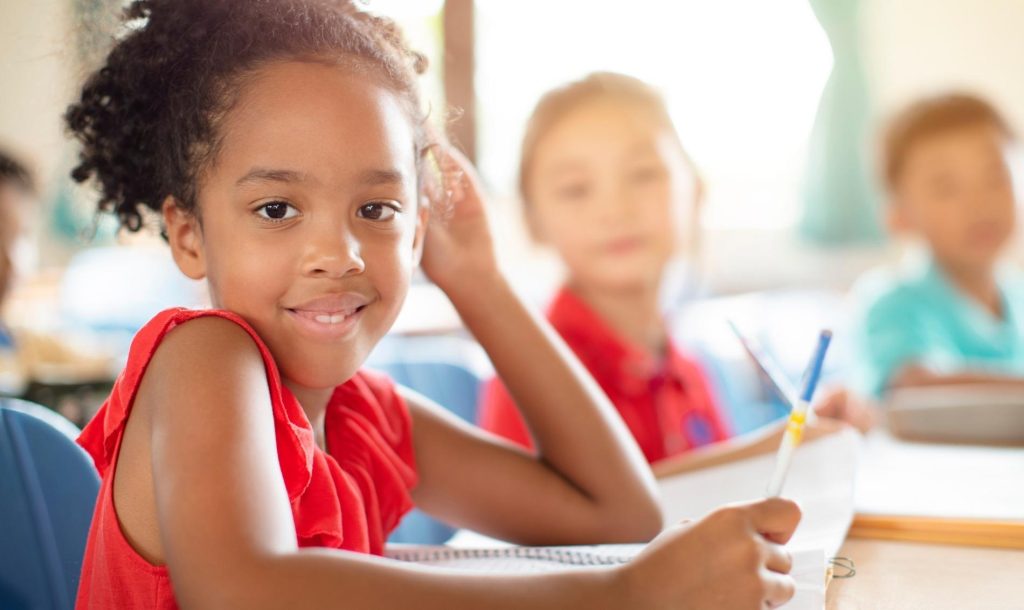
{"points": [[940, 530]]}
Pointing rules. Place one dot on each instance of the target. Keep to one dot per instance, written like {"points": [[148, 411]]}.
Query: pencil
{"points": [[798, 417]]}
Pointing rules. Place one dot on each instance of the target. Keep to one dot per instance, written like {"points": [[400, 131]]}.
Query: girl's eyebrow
{"points": [[372, 177], [375, 177], [571, 166], [263, 174]]}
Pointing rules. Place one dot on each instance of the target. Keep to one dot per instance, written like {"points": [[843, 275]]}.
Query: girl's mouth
{"points": [[328, 317]]}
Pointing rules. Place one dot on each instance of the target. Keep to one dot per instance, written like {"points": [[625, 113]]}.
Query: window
{"points": [[742, 79]]}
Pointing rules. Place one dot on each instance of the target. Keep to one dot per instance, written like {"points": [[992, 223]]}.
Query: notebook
{"points": [[958, 414], [808, 564], [821, 479], [957, 494]]}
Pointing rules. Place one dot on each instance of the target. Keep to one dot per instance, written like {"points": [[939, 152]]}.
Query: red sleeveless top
{"points": [[351, 498]]}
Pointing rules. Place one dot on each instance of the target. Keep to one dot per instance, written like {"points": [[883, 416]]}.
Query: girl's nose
{"points": [[333, 254]]}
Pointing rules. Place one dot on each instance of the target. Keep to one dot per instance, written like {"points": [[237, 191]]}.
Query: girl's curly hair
{"points": [[148, 119]]}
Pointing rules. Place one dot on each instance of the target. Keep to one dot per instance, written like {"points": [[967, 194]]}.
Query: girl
{"points": [[609, 186], [247, 461]]}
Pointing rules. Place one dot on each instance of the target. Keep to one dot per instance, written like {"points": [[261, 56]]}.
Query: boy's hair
{"points": [[928, 117], [149, 119], [14, 172], [558, 103]]}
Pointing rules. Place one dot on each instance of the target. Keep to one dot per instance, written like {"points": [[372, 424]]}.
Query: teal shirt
{"points": [[914, 315]]}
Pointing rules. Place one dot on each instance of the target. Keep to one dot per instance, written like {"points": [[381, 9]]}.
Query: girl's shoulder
{"points": [[213, 330]]}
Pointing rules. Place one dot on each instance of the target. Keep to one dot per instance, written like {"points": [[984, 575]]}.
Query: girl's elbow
{"points": [[648, 523], [242, 586], [639, 521]]}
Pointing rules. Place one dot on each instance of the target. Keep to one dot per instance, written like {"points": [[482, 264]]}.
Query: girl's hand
{"points": [[731, 558], [841, 404], [459, 252]]}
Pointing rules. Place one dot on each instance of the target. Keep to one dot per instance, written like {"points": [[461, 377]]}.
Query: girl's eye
{"points": [[573, 191], [646, 174], [377, 210], [277, 210]]}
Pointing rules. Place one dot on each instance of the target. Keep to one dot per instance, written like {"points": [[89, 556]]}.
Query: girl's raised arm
{"points": [[589, 481]]}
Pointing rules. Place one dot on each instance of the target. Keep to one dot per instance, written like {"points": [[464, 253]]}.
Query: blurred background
{"points": [[777, 103]]}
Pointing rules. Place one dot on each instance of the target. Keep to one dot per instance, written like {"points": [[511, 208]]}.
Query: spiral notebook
{"points": [[516, 559], [809, 565]]}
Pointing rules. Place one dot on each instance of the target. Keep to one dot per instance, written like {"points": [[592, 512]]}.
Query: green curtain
{"points": [[840, 203]]}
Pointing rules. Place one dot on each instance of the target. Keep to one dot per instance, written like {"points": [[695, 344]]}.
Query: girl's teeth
{"points": [[329, 319]]}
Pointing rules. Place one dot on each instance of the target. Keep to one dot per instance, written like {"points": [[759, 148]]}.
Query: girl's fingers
{"points": [[775, 518], [778, 588], [777, 559]]}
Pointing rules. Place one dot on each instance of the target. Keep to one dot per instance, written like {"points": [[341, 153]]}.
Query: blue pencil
{"points": [[798, 417]]}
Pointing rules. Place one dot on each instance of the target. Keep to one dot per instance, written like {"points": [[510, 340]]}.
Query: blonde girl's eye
{"points": [[646, 174], [573, 191], [277, 211], [380, 211]]}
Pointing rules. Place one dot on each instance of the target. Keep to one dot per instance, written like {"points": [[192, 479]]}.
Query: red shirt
{"points": [[667, 405], [349, 498]]}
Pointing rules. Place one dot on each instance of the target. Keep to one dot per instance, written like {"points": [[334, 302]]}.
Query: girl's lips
{"points": [[325, 326], [623, 245], [329, 317]]}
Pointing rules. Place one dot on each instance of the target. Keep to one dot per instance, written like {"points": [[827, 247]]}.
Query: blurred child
{"points": [[16, 191], [28, 355], [956, 314], [608, 185], [252, 462]]}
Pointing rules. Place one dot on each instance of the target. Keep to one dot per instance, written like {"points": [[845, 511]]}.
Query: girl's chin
{"points": [[322, 375], [626, 279]]}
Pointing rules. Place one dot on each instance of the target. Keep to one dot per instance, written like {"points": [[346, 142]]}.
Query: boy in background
{"points": [[956, 314]]}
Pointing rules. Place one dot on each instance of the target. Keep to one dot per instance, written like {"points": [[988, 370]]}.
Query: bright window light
{"points": [[742, 79]]}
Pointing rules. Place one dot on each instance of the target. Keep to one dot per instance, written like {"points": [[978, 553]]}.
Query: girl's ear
{"points": [[422, 223], [185, 239]]}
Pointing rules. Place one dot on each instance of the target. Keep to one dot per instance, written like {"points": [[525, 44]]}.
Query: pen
{"points": [[798, 417]]}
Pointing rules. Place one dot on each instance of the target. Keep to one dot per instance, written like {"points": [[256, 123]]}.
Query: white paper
{"points": [[933, 480], [820, 479]]}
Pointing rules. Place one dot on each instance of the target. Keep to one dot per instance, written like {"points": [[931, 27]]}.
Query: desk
{"points": [[911, 576]]}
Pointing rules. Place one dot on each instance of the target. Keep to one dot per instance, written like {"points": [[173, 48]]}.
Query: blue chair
{"points": [[49, 487], [442, 369]]}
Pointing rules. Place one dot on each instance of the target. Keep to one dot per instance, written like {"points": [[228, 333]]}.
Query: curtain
{"points": [[840, 202]]}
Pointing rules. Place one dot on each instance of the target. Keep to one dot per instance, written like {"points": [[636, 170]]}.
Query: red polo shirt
{"points": [[667, 404]]}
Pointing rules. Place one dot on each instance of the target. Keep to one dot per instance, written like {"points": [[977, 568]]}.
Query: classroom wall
{"points": [[914, 47], [35, 81]]}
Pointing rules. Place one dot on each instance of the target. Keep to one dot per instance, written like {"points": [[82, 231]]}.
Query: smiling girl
{"points": [[247, 460]]}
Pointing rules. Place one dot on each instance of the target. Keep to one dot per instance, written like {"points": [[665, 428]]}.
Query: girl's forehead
{"points": [[318, 119], [597, 135], [606, 122]]}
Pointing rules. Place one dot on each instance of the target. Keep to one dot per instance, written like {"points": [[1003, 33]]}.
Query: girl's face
{"points": [[610, 190], [308, 223]]}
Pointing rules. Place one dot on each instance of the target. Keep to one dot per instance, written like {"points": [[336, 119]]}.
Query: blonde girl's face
{"points": [[308, 222], [611, 191]]}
